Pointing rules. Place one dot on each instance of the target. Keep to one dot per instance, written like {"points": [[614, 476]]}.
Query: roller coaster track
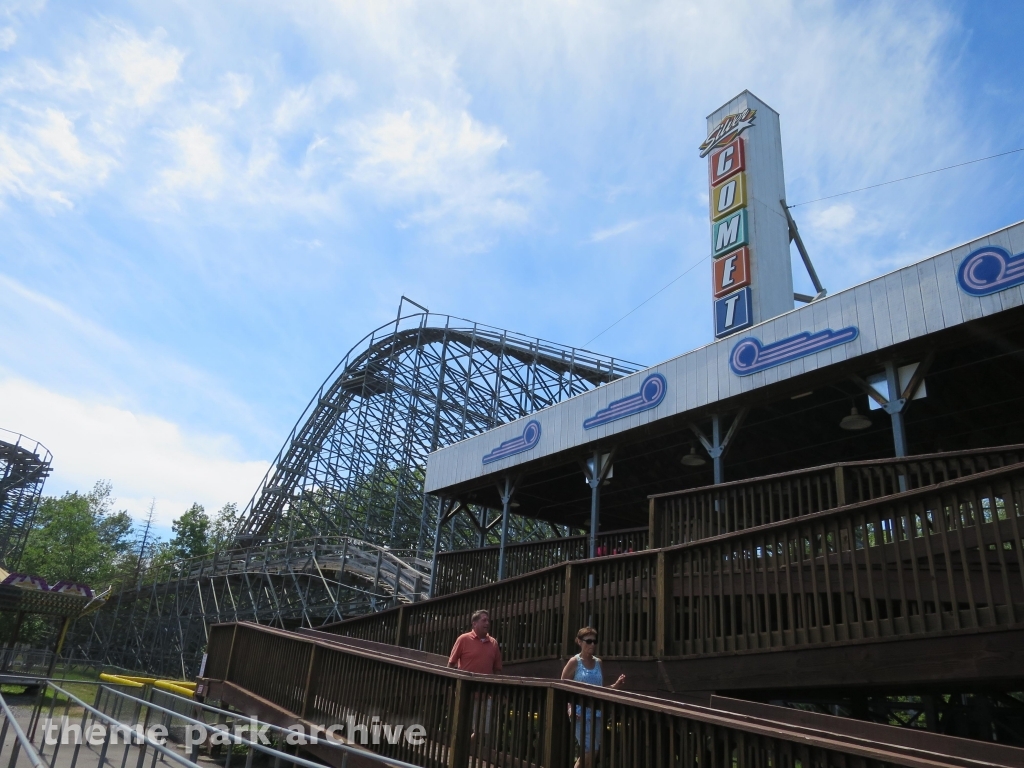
{"points": [[24, 466], [337, 526], [394, 579], [405, 389], [162, 625]]}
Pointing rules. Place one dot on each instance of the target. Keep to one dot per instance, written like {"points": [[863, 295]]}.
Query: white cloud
{"points": [[199, 169], [239, 89], [834, 218], [8, 37], [305, 103], [445, 164], [619, 229], [65, 125], [145, 67], [71, 352], [115, 101], [144, 456]]}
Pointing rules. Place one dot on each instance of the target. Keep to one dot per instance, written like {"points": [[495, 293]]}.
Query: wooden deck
{"points": [[286, 679], [898, 578]]}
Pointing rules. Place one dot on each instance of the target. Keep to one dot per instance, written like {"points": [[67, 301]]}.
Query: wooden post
{"points": [[307, 690], [840, 487], [462, 725], [402, 630], [376, 579], [231, 652], [663, 605], [417, 587], [556, 749], [571, 607], [437, 545], [655, 523]]}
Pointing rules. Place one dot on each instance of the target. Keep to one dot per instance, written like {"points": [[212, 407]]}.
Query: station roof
{"points": [[793, 396]]}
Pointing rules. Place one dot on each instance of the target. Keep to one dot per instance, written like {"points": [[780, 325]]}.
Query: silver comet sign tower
{"points": [[752, 273]]}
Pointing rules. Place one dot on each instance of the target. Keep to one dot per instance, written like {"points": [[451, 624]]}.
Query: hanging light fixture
{"points": [[855, 421], [693, 459]]}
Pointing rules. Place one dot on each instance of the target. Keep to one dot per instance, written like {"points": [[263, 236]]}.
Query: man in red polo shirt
{"points": [[477, 651]]}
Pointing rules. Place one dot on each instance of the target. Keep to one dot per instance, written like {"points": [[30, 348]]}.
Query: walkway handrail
{"points": [[526, 721], [239, 739], [697, 513], [21, 741], [429, 625], [467, 568], [929, 561], [124, 729], [935, 559]]}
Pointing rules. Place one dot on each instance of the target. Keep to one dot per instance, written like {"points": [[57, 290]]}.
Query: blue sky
{"points": [[204, 205]]}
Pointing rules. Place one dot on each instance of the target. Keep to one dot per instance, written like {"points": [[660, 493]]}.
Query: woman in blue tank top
{"points": [[585, 667]]}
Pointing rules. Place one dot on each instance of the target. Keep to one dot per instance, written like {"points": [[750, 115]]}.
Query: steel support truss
{"points": [[354, 462], [338, 525], [162, 626], [24, 466]]}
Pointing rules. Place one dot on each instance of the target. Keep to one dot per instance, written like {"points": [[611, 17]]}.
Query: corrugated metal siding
{"points": [[908, 303]]}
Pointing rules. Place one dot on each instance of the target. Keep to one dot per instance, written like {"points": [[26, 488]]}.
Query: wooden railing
{"points": [[491, 720], [699, 513], [924, 562], [467, 568], [932, 560], [528, 615]]}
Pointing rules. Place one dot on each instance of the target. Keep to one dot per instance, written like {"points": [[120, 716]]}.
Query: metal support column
{"points": [[895, 410], [506, 493], [716, 448], [596, 474], [898, 400], [718, 445], [595, 504], [482, 528], [437, 545], [794, 236]]}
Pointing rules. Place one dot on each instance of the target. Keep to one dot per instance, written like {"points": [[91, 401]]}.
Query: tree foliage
{"points": [[197, 534], [78, 537], [191, 532]]}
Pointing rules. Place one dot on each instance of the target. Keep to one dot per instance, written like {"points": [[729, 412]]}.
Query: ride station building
{"points": [[906, 382]]}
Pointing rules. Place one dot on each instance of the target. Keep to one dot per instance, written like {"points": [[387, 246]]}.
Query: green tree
{"points": [[76, 537], [64, 544], [191, 533], [158, 565], [222, 528]]}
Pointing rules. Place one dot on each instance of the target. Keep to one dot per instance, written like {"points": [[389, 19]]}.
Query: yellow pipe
{"points": [[174, 687], [180, 687], [118, 680]]}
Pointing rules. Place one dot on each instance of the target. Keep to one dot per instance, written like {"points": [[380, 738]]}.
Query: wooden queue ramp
{"points": [[293, 679]]}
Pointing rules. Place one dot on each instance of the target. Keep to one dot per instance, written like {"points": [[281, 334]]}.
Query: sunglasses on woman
{"points": [[590, 640]]}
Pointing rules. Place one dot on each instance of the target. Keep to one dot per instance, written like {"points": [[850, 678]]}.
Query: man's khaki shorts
{"points": [[488, 710]]}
